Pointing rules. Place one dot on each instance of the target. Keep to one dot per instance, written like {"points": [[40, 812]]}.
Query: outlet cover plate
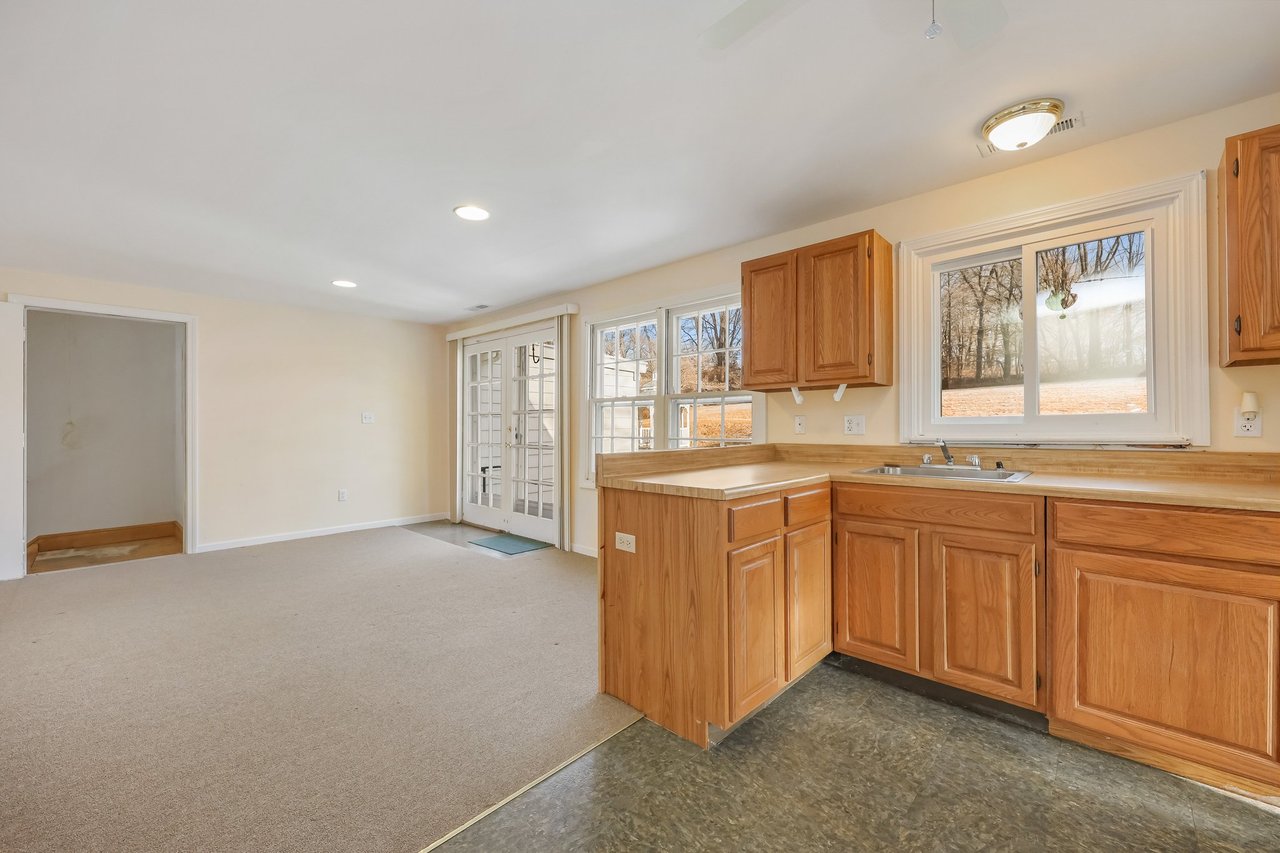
{"points": [[800, 424], [1248, 429], [855, 424], [625, 542]]}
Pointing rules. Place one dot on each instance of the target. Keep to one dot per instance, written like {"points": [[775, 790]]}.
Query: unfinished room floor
{"points": [[842, 762], [365, 691], [101, 555]]}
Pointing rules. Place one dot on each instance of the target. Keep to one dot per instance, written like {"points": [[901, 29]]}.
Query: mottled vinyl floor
{"points": [[845, 763]]}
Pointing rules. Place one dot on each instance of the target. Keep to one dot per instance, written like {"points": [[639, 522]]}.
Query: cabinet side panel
{"points": [[651, 625]]}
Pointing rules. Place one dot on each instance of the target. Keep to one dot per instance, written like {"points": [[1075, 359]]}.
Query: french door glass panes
{"points": [[510, 425], [533, 444]]}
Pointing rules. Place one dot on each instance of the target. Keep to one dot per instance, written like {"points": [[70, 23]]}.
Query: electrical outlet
{"points": [[800, 425], [855, 424], [1248, 428], [625, 542], [342, 494], [366, 417]]}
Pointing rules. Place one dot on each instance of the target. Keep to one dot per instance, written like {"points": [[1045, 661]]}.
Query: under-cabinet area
{"points": [[1133, 616]]}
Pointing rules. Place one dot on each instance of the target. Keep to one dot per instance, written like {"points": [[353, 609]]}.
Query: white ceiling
{"points": [[260, 149]]}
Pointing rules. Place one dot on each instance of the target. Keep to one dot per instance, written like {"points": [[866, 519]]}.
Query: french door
{"points": [[510, 434]]}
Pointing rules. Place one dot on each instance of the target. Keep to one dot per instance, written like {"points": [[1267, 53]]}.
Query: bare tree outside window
{"points": [[1090, 332], [982, 339]]}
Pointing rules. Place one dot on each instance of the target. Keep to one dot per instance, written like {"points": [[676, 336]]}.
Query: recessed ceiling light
{"points": [[1022, 125], [471, 213], [342, 282]]}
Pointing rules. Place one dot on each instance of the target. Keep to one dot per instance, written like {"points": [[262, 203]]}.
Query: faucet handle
{"points": [[927, 459], [974, 461]]}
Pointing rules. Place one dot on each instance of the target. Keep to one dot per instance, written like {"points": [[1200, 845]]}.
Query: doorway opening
{"points": [[106, 430], [510, 433]]}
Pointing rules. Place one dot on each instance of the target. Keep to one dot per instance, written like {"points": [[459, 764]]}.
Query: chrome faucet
{"points": [[946, 452]]}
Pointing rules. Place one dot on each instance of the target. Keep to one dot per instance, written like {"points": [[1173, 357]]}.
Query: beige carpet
{"points": [[360, 692]]}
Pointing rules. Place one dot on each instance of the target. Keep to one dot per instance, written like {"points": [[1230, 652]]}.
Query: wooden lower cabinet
{"points": [[721, 605], [877, 606], [986, 601], [808, 597], [757, 625], [1178, 657], [943, 585]]}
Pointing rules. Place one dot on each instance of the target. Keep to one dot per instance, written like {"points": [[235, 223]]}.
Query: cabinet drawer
{"points": [[755, 516], [806, 505], [1179, 531], [1018, 514]]}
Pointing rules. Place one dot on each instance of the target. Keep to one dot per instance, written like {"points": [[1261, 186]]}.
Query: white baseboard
{"points": [[319, 531], [585, 551]]}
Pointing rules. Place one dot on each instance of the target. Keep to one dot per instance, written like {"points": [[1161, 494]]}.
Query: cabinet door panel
{"points": [[769, 321], [1258, 250], [985, 624], [1181, 658], [757, 625], [835, 310], [808, 597], [877, 606]]}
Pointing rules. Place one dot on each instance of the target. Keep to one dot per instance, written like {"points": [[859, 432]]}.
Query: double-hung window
{"points": [[1083, 324], [671, 378]]}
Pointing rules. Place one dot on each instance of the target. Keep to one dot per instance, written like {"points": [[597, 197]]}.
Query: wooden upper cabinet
{"points": [[1249, 248], [808, 597], [769, 311], [1178, 657], [985, 626], [757, 625], [834, 283], [838, 327], [877, 608]]}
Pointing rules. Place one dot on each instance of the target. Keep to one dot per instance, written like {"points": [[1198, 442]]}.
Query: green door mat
{"points": [[508, 544]]}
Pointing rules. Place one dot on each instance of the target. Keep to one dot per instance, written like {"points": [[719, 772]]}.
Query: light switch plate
{"points": [[366, 417], [855, 424], [342, 494], [625, 542]]}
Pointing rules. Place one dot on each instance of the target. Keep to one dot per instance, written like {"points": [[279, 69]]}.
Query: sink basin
{"points": [[949, 472]]}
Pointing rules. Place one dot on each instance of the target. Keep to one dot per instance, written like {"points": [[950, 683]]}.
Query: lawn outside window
{"points": [[1082, 324]]}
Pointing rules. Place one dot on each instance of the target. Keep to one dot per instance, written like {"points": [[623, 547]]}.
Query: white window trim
{"points": [[1180, 318], [662, 394]]}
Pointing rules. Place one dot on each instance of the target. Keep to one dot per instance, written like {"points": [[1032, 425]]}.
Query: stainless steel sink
{"points": [[950, 472]]}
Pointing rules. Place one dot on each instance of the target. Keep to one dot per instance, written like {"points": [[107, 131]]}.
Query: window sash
{"points": [[1031, 419], [667, 397]]}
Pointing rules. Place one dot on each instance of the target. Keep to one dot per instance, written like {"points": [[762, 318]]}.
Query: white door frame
{"points": [[553, 327], [191, 517]]}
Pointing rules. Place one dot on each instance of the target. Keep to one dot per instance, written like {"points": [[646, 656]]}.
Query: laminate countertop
{"points": [[736, 481]]}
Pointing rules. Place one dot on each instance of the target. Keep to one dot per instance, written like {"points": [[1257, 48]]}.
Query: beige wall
{"points": [[103, 414], [279, 392], [1177, 149]]}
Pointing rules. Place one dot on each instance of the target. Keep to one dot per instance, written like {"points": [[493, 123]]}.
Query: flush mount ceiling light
{"points": [[342, 282], [471, 213], [1022, 125]]}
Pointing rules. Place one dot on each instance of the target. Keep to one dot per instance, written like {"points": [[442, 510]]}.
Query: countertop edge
{"points": [[1155, 490]]}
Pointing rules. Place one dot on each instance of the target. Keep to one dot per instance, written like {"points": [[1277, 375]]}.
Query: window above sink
{"points": [[1079, 324]]}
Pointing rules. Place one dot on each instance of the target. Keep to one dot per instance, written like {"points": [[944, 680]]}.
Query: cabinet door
{"points": [[877, 607], [985, 623], [1177, 657], [835, 310], [1254, 265], [757, 625], [769, 322], [808, 597]]}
